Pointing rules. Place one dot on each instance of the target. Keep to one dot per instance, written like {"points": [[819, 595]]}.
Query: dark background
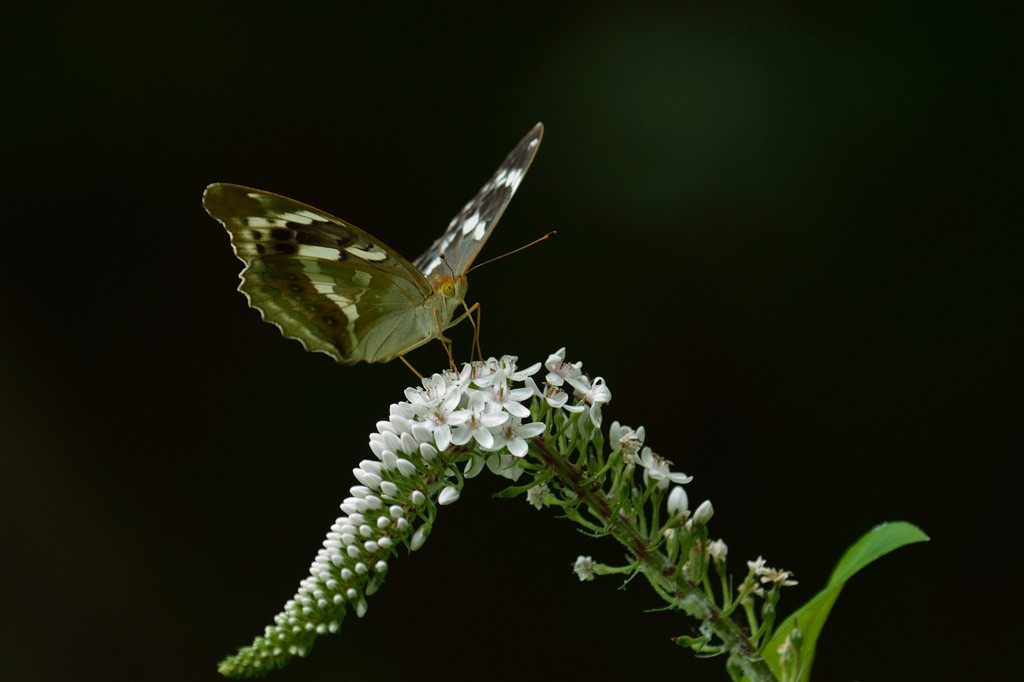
{"points": [[788, 239]]}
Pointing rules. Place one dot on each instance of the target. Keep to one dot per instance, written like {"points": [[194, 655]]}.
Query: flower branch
{"points": [[493, 415]]}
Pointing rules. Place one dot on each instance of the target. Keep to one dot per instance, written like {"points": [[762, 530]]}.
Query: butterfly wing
{"points": [[470, 228], [323, 282]]}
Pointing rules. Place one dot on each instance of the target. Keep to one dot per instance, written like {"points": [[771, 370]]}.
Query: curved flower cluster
{"points": [[476, 416]]}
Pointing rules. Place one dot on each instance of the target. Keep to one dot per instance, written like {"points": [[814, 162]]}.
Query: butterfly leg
{"points": [[407, 364], [476, 327], [444, 341]]}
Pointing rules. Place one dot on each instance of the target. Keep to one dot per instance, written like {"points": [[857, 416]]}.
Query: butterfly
{"points": [[341, 291]]}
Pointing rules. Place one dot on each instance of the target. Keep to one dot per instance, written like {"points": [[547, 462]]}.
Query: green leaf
{"points": [[876, 543]]}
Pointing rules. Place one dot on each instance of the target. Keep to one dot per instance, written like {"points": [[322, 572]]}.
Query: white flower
{"points": [[596, 395], [476, 420], [507, 364], [657, 468], [514, 434], [434, 390], [556, 397], [584, 567], [776, 576], [435, 414], [768, 574], [478, 373], [596, 392], [627, 440], [510, 399], [717, 549], [535, 495], [560, 372]]}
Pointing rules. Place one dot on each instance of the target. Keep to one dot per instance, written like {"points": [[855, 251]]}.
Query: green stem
{"points": [[657, 567]]}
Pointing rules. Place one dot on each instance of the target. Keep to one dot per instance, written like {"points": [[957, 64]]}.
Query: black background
{"points": [[788, 239]]}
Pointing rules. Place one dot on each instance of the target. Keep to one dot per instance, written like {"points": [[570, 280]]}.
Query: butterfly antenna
{"points": [[549, 235], [446, 264]]}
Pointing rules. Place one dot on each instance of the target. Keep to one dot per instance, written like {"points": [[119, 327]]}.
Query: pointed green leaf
{"points": [[876, 543]]}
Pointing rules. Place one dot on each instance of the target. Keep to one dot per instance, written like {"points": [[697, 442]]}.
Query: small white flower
{"points": [[557, 398], [627, 440], [756, 566], [510, 399], [777, 576], [475, 422], [507, 364], [437, 417], [596, 392], [514, 434], [434, 390], [657, 468], [593, 397], [559, 371], [717, 550], [584, 567], [535, 495]]}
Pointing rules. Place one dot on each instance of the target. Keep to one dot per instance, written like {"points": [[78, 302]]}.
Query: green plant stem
{"points": [[657, 567]]}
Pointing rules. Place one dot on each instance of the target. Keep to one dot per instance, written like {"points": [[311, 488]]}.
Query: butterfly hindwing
{"points": [[470, 228], [320, 280]]}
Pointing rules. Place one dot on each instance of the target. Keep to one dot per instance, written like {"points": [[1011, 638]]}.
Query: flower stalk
{"points": [[457, 424], [658, 569]]}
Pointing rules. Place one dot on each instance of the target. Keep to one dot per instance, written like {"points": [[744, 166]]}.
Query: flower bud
{"points": [[678, 502], [703, 514], [448, 495]]}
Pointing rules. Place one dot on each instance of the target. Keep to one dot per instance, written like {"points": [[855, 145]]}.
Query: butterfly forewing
{"points": [[326, 283], [470, 228]]}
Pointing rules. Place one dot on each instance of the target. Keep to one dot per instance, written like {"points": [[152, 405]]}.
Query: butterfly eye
{"points": [[448, 288]]}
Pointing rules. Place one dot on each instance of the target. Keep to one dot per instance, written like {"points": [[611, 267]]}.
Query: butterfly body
{"points": [[338, 290]]}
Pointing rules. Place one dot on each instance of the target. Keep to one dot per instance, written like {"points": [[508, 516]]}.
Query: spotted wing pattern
{"points": [[470, 228], [320, 280]]}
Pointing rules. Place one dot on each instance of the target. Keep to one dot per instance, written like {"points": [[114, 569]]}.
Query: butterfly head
{"points": [[453, 288], [449, 294]]}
